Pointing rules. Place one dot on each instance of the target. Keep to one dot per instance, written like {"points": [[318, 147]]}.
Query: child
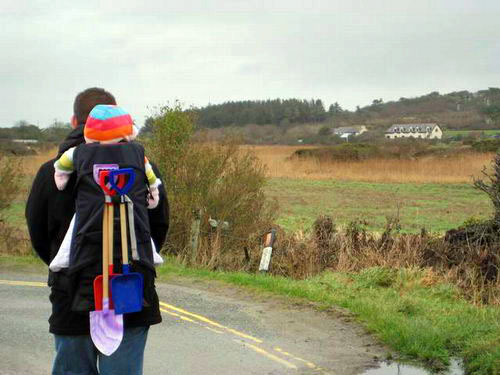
{"points": [[106, 125]]}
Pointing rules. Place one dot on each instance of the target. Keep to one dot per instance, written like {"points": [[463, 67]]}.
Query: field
{"points": [[435, 207], [458, 169], [464, 133], [431, 193]]}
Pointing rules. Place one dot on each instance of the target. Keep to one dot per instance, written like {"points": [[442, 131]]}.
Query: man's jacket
{"points": [[48, 214]]}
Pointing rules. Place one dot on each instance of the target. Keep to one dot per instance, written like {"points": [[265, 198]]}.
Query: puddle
{"points": [[394, 368]]}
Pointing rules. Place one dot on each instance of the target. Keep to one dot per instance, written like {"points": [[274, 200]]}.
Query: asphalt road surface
{"points": [[208, 328]]}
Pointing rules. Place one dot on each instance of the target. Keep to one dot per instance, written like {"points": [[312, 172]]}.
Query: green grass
{"points": [[427, 323], [452, 133], [15, 214], [22, 263], [437, 207]]}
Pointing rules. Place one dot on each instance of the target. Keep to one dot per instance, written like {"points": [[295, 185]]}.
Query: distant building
{"points": [[425, 131], [349, 131]]}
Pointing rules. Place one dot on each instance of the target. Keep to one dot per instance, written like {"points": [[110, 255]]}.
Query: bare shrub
{"points": [[10, 182], [217, 180], [473, 268], [13, 241]]}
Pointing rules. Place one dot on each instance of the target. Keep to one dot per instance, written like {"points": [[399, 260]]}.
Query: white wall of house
{"points": [[435, 133]]}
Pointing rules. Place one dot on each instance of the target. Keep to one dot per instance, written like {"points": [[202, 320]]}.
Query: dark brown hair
{"points": [[88, 99]]}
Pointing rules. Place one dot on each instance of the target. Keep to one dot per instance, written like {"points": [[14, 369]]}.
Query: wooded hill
{"points": [[455, 110]]}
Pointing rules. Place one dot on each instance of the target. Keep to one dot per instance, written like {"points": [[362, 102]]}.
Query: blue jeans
{"points": [[77, 355]]}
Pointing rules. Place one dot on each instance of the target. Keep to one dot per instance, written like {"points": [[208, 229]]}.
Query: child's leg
{"points": [[61, 260]]}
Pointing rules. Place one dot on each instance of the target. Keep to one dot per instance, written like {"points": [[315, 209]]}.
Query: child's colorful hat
{"points": [[108, 124]]}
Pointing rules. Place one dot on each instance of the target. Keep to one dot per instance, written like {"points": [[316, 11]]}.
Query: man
{"points": [[48, 214]]}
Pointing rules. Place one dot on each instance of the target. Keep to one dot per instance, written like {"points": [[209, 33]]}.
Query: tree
{"points": [[23, 130], [325, 131], [56, 131], [334, 109], [147, 128], [492, 186]]}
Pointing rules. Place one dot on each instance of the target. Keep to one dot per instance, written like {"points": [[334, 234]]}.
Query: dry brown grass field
{"points": [[441, 170], [448, 170]]}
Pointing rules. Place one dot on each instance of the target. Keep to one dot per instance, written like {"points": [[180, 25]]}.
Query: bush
{"points": [[10, 148], [486, 145], [12, 239], [343, 152], [218, 180]]}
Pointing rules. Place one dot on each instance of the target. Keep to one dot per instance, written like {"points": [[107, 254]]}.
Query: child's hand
{"points": [[153, 197], [61, 179]]}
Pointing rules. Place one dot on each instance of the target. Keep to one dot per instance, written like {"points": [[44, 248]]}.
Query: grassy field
{"points": [[433, 193], [436, 207]]}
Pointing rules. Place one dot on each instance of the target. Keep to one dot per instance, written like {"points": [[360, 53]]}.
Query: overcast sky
{"points": [[206, 51]]}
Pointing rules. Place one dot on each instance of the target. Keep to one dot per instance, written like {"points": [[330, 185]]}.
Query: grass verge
{"points": [[406, 309], [22, 263]]}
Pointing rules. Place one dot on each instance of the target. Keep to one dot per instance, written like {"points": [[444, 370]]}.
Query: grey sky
{"points": [[151, 52]]}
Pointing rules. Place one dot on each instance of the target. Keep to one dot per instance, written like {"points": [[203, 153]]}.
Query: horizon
{"points": [[226, 101]]}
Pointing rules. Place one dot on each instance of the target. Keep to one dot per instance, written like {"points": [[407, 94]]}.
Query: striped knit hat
{"points": [[108, 124]]}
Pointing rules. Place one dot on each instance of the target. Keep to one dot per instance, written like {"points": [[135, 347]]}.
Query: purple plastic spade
{"points": [[106, 329]]}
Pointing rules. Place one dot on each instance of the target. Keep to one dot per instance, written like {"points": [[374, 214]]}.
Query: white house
{"points": [[425, 131], [349, 131]]}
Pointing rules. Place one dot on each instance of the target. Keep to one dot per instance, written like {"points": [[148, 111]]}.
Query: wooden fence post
{"points": [[195, 233]]}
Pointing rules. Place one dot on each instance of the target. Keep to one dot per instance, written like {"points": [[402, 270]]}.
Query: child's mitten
{"points": [[153, 197], [61, 179]]}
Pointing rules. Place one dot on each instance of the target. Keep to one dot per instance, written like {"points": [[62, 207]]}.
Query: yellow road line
{"points": [[268, 355], [178, 316], [211, 322], [308, 364], [205, 320], [23, 283]]}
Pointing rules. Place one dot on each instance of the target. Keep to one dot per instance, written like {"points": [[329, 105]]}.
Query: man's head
{"points": [[86, 101]]}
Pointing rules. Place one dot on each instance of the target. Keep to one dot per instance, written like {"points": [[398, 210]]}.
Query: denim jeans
{"points": [[77, 355]]}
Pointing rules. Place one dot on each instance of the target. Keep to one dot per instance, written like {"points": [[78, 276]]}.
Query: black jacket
{"points": [[48, 214]]}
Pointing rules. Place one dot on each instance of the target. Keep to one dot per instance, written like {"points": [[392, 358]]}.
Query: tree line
{"points": [[262, 112], [56, 132], [459, 109]]}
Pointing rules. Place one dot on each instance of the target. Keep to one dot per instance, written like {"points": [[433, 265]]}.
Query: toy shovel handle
{"points": [[102, 182], [120, 174]]}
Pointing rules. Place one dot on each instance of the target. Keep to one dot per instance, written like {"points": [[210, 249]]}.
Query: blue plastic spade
{"points": [[127, 288]]}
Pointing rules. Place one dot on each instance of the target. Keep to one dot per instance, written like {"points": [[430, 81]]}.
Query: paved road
{"points": [[208, 328]]}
